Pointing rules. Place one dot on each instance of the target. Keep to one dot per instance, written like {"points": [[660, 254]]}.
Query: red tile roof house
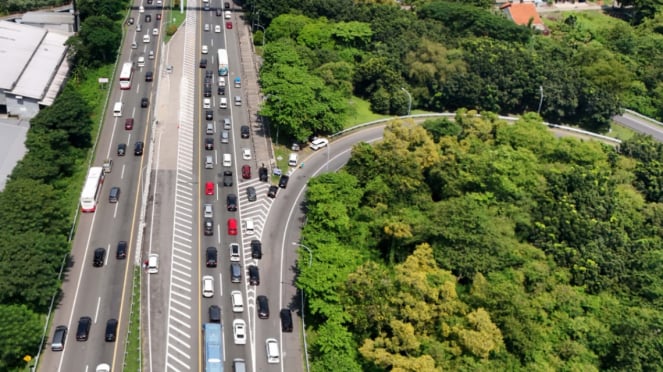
{"points": [[524, 14]]}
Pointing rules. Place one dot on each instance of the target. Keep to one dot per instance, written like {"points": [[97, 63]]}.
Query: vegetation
{"points": [[36, 206], [450, 55], [19, 6], [480, 245]]}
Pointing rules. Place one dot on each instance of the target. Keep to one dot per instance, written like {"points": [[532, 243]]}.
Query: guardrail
{"points": [[451, 115], [643, 117]]}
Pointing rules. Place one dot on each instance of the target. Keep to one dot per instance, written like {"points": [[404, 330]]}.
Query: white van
{"points": [[153, 263], [272, 348], [249, 225], [237, 301], [117, 109], [227, 160], [146, 38], [223, 103], [292, 159], [209, 162]]}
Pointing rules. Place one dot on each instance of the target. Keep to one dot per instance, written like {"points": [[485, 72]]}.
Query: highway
{"points": [[104, 293]]}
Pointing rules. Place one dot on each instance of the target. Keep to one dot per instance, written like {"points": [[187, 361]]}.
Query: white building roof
{"points": [[17, 44], [39, 72], [48, 18]]}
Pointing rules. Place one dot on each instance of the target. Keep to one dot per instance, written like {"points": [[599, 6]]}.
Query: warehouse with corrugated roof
{"points": [[34, 68]]}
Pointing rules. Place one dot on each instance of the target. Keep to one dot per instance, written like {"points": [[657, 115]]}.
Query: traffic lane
{"points": [[159, 240], [639, 126]]}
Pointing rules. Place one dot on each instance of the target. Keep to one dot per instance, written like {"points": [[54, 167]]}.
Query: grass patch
{"points": [[174, 19], [621, 132], [132, 357], [360, 112]]}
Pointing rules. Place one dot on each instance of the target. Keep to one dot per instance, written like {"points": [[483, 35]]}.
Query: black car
{"points": [[256, 249], [214, 314], [219, 13], [227, 178], [209, 143], [121, 252], [144, 102], [254, 275], [111, 330], [203, 63], [208, 227], [263, 307], [83, 330], [148, 18], [251, 193], [208, 80], [221, 91], [130, 21], [138, 148], [231, 202], [211, 257], [98, 258], [272, 191], [209, 115], [263, 174], [207, 92], [149, 75], [246, 132], [286, 320], [283, 182], [209, 74], [121, 149]]}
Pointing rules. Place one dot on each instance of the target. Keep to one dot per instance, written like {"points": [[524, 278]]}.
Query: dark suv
{"points": [[263, 174], [214, 314], [83, 329], [227, 178], [283, 182], [211, 257], [272, 191], [244, 129], [231, 202], [98, 258], [121, 149], [286, 320], [111, 330], [263, 307], [144, 102], [138, 148], [256, 249], [254, 275], [121, 252]]}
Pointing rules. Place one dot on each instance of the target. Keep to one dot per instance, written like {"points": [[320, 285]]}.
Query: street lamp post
{"points": [[263, 33], [310, 259], [409, 102], [540, 100]]}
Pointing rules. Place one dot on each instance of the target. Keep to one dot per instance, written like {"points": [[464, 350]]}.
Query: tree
{"points": [[19, 335], [29, 264], [110, 9], [100, 39], [69, 113], [29, 206]]}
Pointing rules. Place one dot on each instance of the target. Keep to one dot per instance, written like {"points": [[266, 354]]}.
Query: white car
{"points": [[155, 31], [222, 81], [227, 14], [207, 103], [208, 286], [217, 28], [319, 143], [237, 301], [234, 252], [103, 367], [246, 154], [273, 354], [204, 49], [141, 9], [239, 332], [206, 26]]}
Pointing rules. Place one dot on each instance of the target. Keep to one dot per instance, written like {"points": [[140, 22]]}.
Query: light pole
{"points": [[409, 102], [263, 33], [310, 259], [541, 100]]}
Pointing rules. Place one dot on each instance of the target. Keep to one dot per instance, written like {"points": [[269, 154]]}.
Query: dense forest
{"points": [[475, 244], [450, 55]]}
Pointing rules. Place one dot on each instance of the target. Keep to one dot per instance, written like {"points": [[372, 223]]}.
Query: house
{"points": [[524, 14]]}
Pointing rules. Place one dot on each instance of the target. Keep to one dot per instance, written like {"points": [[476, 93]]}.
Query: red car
{"points": [[209, 188], [246, 172], [229, 25], [129, 124], [158, 16]]}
